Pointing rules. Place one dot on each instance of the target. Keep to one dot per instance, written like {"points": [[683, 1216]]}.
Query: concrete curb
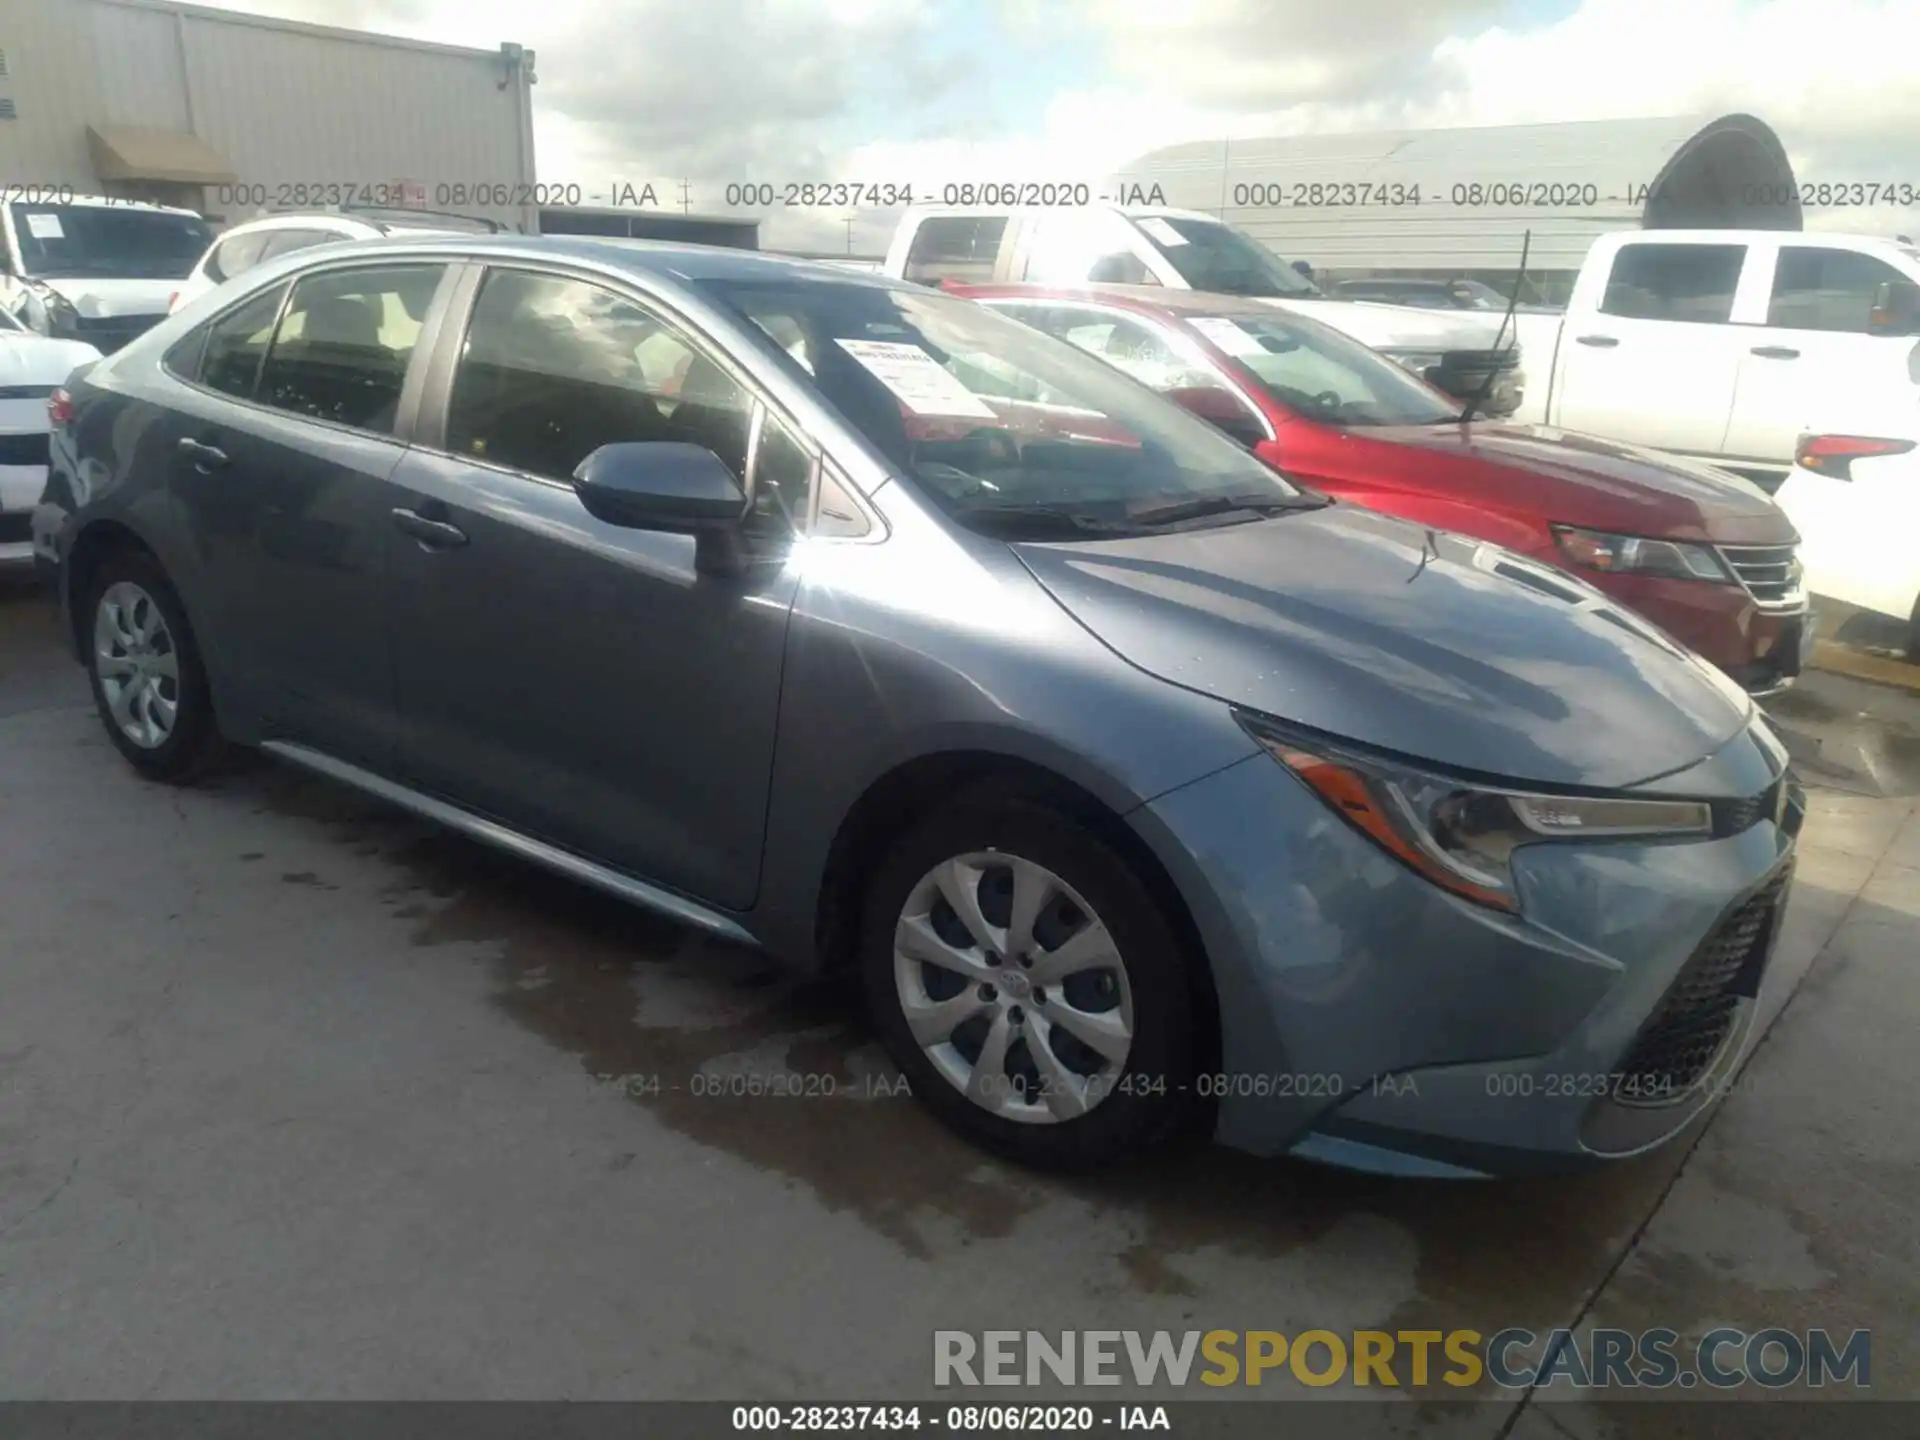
{"points": [[1863, 665]]}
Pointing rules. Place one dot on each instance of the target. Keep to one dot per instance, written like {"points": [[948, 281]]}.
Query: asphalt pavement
{"points": [[302, 1098]]}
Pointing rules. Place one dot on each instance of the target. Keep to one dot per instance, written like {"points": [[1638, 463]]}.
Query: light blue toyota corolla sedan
{"points": [[1144, 787]]}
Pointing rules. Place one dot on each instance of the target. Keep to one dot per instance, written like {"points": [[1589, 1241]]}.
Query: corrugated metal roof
{"points": [[1406, 199]]}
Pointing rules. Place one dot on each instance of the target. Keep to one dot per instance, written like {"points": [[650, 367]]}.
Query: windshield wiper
{"points": [[1259, 506], [1046, 519]]}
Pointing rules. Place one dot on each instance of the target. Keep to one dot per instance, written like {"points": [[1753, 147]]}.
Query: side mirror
{"points": [[670, 487], [1304, 268], [1896, 309], [1220, 410]]}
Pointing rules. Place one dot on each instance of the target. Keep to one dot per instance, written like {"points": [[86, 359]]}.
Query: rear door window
{"points": [[1816, 288], [1693, 283], [955, 247], [341, 352]]}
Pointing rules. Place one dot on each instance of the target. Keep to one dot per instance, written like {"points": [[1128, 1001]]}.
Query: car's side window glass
{"points": [[236, 255], [955, 247], [553, 368], [285, 242], [342, 349], [1674, 282], [839, 516], [783, 479], [1071, 247], [1816, 288], [237, 342]]}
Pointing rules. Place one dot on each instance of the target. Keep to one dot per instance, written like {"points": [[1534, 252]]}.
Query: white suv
{"points": [[247, 244]]}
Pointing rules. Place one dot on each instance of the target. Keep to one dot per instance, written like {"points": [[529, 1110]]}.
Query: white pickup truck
{"points": [[1186, 250], [1727, 345]]}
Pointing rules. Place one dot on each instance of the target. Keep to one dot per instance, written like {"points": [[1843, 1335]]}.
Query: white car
{"points": [[1855, 499], [243, 246], [1726, 346], [94, 268], [32, 367]]}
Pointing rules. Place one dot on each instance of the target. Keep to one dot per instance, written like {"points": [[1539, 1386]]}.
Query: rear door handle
{"points": [[432, 534], [1605, 342], [205, 457], [1775, 352]]}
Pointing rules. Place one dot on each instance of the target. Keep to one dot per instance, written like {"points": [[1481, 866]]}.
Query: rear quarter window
{"points": [[236, 254], [955, 247]]}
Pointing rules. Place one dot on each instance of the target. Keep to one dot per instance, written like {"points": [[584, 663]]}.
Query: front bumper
{"points": [[20, 491], [1764, 649], [1372, 1020]]}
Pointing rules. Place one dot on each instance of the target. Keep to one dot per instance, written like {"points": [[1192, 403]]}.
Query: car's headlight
{"points": [[53, 313], [1631, 554], [1462, 836]]}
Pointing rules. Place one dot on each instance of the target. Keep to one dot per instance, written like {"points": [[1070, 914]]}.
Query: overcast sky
{"points": [[931, 91]]}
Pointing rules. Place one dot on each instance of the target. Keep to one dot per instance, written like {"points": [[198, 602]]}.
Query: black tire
{"points": [[1153, 1092], [194, 745]]}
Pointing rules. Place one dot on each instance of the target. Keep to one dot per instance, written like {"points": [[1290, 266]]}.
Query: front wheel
{"points": [[148, 683], [1026, 982]]}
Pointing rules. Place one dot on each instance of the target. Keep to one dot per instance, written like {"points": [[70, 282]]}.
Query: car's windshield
{"points": [[1216, 257], [1004, 426], [1321, 374], [118, 241]]}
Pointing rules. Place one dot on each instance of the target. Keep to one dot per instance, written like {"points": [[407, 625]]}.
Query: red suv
{"points": [[1705, 555]]}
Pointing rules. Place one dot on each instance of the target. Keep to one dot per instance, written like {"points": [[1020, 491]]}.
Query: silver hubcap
{"points": [[138, 667], [1013, 987]]}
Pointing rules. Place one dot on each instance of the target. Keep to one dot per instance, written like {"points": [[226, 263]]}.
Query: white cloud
{"points": [[762, 89]]}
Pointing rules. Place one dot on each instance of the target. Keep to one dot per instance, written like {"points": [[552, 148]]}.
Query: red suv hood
{"points": [[1583, 480]]}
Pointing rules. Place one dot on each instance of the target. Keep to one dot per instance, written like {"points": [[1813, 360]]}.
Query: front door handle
{"points": [[205, 457], [432, 534], [1775, 352], [1605, 342]]}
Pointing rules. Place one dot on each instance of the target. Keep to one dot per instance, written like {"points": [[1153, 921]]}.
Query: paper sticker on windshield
{"points": [[45, 227], [916, 378], [1228, 336], [1162, 231]]}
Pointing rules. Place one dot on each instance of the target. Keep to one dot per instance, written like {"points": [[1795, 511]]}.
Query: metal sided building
{"points": [[1454, 204], [233, 114]]}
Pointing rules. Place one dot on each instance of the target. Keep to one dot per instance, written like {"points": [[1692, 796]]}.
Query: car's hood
{"points": [[102, 299], [1580, 479], [1400, 327], [1404, 639], [28, 360]]}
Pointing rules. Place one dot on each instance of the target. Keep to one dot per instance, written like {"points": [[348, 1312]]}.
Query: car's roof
{"points": [[678, 260]]}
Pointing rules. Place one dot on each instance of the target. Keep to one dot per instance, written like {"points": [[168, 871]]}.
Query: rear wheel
{"points": [[148, 683], [1027, 984]]}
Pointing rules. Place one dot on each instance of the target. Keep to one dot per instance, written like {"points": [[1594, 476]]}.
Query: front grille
{"points": [[1683, 1039], [16, 527], [1771, 574], [23, 449], [1731, 817]]}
